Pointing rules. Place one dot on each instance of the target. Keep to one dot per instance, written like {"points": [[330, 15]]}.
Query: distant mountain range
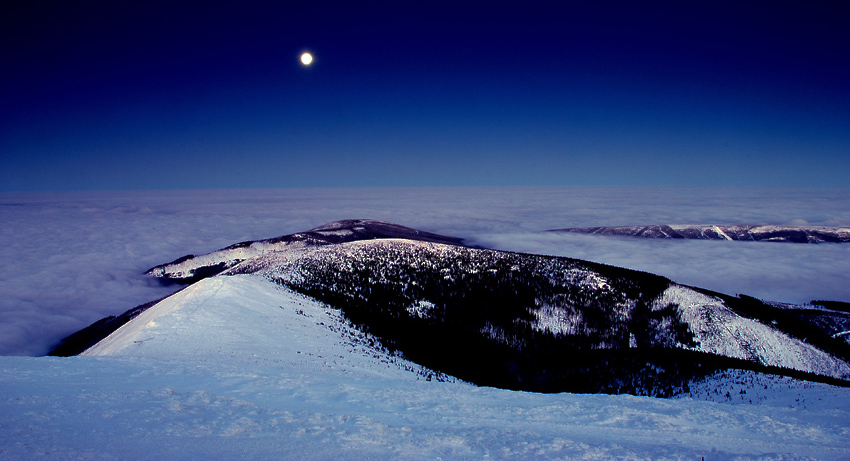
{"points": [[522, 321], [755, 233]]}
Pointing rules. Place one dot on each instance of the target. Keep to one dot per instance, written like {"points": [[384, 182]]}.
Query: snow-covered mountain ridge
{"points": [[191, 268], [253, 321], [518, 321], [758, 233]]}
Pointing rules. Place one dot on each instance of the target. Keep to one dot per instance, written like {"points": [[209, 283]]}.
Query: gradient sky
{"points": [[146, 95]]}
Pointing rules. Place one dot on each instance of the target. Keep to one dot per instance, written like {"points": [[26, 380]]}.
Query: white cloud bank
{"points": [[69, 259]]}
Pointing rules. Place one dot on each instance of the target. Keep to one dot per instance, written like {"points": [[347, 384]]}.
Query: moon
{"points": [[306, 59]]}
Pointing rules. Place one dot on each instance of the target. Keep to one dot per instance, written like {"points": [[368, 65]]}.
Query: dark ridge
{"points": [[198, 273], [653, 372], [718, 363], [358, 229], [368, 229], [77, 343], [834, 305], [178, 260]]}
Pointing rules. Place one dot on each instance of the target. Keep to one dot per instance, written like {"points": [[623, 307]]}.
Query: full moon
{"points": [[306, 59]]}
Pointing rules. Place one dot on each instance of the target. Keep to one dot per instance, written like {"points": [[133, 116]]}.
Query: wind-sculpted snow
{"points": [[247, 319], [760, 233]]}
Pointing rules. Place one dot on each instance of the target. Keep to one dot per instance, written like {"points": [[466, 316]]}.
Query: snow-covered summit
{"points": [[191, 268]]}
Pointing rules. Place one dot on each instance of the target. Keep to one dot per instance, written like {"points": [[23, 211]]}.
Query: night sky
{"points": [[148, 95]]}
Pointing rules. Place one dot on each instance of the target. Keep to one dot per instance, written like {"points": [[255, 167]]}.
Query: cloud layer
{"points": [[70, 259]]}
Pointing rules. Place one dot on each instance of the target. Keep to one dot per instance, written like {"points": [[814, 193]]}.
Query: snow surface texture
{"points": [[235, 366], [234, 318]]}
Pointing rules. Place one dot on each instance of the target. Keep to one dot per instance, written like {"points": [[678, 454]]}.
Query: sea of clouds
{"points": [[69, 259]]}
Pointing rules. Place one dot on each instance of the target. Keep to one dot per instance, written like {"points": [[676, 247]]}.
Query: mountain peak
{"points": [[191, 268], [350, 224], [368, 229]]}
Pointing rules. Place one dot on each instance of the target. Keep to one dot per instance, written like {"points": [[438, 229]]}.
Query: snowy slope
{"points": [[719, 330], [236, 367], [249, 320]]}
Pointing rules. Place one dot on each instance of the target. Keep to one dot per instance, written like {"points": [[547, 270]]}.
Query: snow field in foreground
{"points": [[238, 367]]}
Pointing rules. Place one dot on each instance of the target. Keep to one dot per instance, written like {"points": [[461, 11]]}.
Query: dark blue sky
{"points": [[108, 95]]}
